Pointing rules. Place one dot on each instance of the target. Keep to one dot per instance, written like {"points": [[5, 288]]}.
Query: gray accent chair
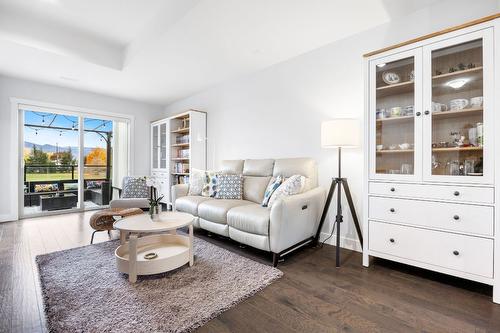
{"points": [[290, 223], [133, 194]]}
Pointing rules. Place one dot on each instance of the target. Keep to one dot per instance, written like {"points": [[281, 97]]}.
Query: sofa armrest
{"points": [[177, 191], [295, 218]]}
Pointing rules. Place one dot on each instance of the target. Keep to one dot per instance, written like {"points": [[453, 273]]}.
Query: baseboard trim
{"points": [[345, 242], [7, 218]]}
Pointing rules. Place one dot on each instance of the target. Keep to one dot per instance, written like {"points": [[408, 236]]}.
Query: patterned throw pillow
{"points": [[46, 187], [229, 187], [210, 186], [196, 181], [135, 187], [273, 185], [293, 185]]}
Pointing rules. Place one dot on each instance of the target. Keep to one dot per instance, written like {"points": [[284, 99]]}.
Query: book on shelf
{"points": [[182, 179], [181, 167], [182, 139], [183, 153]]}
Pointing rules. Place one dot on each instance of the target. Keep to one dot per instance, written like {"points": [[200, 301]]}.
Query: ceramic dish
{"points": [[390, 77], [458, 104]]}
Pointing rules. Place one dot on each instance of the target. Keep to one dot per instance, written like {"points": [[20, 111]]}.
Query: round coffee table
{"points": [[156, 253]]}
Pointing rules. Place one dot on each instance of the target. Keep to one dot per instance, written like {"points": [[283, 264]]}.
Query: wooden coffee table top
{"points": [[142, 223]]}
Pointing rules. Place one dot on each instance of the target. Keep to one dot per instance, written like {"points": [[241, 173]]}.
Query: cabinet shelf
{"points": [[394, 119], [447, 76], [180, 174], [457, 114], [395, 151], [180, 158], [180, 145], [395, 89], [181, 131], [456, 149]]}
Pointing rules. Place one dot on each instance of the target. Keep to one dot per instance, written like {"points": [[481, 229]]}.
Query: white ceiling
{"points": [[161, 50]]}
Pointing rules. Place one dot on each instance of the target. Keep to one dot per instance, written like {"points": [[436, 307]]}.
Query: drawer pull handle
{"points": [[456, 217], [392, 210], [418, 114], [391, 240], [456, 193], [393, 189], [456, 252], [426, 112]]}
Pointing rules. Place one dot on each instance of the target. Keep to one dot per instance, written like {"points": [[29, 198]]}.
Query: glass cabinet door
{"points": [[154, 146], [456, 121], [395, 116], [163, 146]]}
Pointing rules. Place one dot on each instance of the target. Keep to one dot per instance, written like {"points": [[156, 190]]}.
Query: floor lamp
{"points": [[340, 133]]}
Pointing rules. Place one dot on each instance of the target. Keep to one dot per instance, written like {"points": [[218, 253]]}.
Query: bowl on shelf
{"points": [[390, 77], [380, 147], [476, 102], [396, 111], [404, 146], [458, 104], [408, 110], [438, 107]]}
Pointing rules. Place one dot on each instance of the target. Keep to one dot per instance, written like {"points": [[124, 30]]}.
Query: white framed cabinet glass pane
{"points": [[155, 146], [163, 146], [457, 119], [395, 116]]}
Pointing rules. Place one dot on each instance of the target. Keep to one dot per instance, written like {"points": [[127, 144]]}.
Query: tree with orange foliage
{"points": [[97, 156]]}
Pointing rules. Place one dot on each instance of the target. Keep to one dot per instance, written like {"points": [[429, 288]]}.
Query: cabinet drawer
{"points": [[450, 216], [467, 254], [442, 192]]}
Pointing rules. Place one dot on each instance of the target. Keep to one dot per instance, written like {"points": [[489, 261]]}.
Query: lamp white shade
{"points": [[342, 132]]}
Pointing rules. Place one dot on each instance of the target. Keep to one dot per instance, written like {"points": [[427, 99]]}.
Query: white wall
{"points": [[11, 87], [277, 112]]}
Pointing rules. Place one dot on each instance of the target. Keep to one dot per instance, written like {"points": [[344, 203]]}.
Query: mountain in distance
{"points": [[47, 148]]}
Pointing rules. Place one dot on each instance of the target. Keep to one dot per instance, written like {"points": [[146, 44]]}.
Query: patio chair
{"points": [[133, 194]]}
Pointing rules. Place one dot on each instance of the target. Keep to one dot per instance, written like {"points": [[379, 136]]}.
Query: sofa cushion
{"points": [[196, 181], [306, 167], [234, 167], [189, 204], [258, 167], [229, 187], [216, 210], [254, 188], [291, 186], [251, 218], [210, 185]]}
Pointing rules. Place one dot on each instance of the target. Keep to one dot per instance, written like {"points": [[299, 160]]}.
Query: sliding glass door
{"points": [[68, 160]]}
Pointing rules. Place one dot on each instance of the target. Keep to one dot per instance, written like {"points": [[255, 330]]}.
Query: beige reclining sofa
{"points": [[290, 223]]}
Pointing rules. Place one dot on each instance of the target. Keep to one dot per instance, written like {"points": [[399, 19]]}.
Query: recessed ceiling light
{"points": [[381, 65], [457, 83]]}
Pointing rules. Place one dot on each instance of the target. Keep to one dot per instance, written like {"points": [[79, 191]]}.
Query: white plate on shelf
{"points": [[390, 77]]}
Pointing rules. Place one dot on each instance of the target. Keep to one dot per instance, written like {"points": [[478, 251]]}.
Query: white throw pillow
{"points": [[196, 181], [293, 185]]}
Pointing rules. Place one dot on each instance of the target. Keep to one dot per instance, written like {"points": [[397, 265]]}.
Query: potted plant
{"points": [[154, 199]]}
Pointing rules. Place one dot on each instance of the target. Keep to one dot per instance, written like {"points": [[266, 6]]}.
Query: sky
{"points": [[64, 138]]}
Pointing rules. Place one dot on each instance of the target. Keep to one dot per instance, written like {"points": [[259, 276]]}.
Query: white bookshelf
{"points": [[178, 143]]}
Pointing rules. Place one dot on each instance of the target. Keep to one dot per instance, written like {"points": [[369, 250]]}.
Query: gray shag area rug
{"points": [[84, 292]]}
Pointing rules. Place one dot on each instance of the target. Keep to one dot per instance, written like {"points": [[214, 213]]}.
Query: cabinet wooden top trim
{"points": [[434, 34]]}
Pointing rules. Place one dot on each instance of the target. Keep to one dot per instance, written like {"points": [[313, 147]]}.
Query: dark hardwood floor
{"points": [[312, 296]]}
